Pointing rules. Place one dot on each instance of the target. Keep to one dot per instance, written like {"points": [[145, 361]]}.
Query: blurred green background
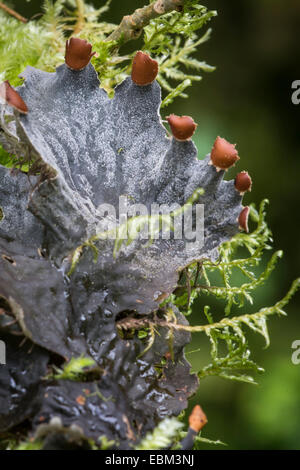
{"points": [[255, 47]]}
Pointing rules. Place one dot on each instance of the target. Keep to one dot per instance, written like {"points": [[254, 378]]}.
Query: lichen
{"points": [[71, 139]]}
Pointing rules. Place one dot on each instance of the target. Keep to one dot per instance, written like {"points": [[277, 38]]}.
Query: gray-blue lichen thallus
{"points": [[70, 134]]}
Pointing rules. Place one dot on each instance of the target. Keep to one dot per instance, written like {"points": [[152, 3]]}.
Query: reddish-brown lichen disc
{"points": [[243, 219], [224, 154], [182, 127], [10, 96], [78, 53], [144, 69], [243, 182], [197, 419]]}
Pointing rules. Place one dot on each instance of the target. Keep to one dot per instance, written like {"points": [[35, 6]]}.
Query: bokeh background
{"points": [[256, 48]]}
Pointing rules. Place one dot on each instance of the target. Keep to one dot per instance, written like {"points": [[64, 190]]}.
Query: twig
{"points": [[139, 323], [13, 13], [132, 26], [80, 16], [188, 286]]}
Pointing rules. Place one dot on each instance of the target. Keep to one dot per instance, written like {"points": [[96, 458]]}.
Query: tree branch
{"points": [[132, 26], [13, 13]]}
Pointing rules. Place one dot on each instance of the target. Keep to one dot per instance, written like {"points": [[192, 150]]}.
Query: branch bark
{"points": [[13, 13], [132, 25]]}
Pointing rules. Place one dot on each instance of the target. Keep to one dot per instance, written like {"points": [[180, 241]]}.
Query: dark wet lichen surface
{"points": [[86, 150]]}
